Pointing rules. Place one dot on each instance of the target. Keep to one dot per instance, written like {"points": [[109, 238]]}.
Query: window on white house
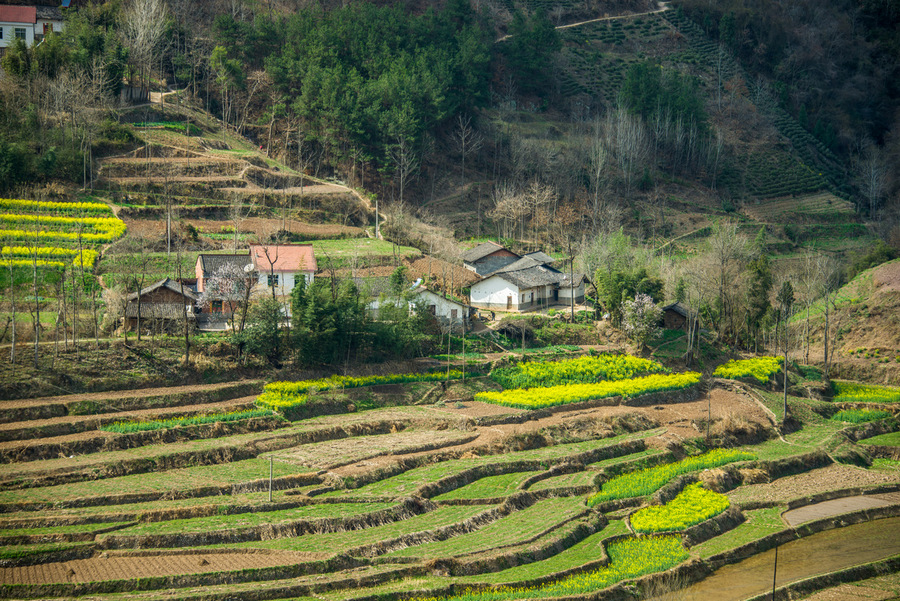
{"points": [[20, 33], [272, 280], [1, 33]]}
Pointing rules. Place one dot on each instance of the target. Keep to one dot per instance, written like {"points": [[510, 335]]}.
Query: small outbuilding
{"points": [[162, 306], [675, 316]]}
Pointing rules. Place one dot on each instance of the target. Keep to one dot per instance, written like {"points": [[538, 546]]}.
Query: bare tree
{"points": [[727, 249], [406, 162], [603, 210], [467, 140], [873, 174], [629, 141], [232, 286], [143, 23]]}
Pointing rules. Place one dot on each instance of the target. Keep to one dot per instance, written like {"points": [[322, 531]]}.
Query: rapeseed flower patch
{"points": [[647, 481], [538, 398], [693, 505], [580, 370], [851, 392], [51, 256], [760, 368], [15, 204]]}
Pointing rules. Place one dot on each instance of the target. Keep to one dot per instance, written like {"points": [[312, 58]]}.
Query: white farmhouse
{"points": [[281, 266], [28, 23], [524, 285]]}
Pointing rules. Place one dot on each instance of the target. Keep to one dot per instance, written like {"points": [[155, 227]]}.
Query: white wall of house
{"points": [[9, 31], [565, 292], [45, 25], [495, 293], [444, 309], [286, 280]]}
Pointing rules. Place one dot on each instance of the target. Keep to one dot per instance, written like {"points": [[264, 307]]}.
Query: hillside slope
{"points": [[865, 325]]}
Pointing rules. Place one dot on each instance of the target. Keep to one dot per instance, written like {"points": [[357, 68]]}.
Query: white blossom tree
{"points": [[641, 319]]}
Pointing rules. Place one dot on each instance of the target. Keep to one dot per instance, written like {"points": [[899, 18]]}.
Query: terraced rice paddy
{"points": [[412, 500]]}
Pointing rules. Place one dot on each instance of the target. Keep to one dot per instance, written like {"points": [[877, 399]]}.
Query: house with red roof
{"points": [[280, 266], [28, 23]]}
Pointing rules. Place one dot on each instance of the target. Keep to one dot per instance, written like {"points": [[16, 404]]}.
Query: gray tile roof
{"points": [[540, 257], [531, 277], [164, 283], [210, 263], [481, 251], [158, 311]]}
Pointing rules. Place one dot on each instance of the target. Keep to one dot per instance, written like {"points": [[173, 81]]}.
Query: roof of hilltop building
{"points": [[540, 257], [283, 257], [481, 251], [212, 263], [164, 283], [18, 14]]}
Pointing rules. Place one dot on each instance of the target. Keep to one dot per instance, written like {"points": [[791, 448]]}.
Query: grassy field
{"points": [[417, 451], [340, 542], [261, 518], [760, 523], [886, 440], [515, 528], [589, 549], [486, 488]]}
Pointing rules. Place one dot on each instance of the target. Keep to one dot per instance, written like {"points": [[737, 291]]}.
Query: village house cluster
{"points": [[498, 280]]}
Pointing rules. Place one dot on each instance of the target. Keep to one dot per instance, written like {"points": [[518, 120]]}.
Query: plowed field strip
{"points": [[121, 568], [89, 423], [115, 395]]}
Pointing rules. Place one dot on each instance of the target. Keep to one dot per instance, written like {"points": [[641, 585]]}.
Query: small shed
{"points": [[162, 306], [574, 287], [675, 316]]}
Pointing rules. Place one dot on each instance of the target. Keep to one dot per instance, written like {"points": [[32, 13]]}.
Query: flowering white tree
{"points": [[641, 319], [230, 285]]}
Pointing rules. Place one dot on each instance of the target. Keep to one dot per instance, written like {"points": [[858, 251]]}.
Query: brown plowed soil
{"points": [[678, 420], [108, 567], [123, 394], [834, 476], [257, 226], [92, 431]]}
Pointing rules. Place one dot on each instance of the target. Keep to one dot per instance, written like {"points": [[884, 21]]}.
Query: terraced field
{"points": [[402, 501]]}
